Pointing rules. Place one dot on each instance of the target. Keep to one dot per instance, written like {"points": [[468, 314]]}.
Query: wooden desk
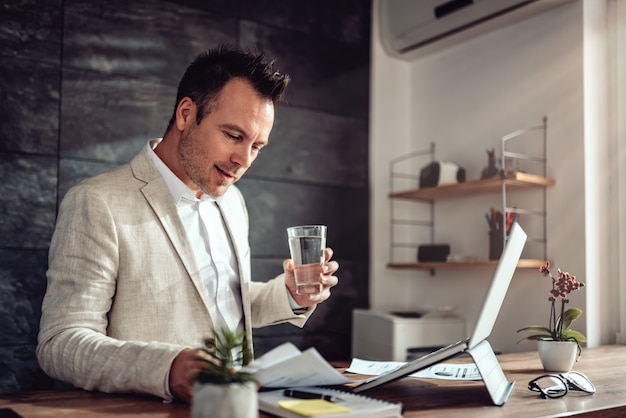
{"points": [[605, 367]]}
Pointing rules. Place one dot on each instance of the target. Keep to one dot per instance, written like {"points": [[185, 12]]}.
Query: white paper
{"points": [[449, 371], [274, 356], [373, 368], [287, 366]]}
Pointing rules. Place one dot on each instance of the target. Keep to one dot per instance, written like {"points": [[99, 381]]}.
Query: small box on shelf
{"points": [[433, 252]]}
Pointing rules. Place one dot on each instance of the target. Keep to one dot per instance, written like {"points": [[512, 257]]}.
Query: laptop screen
{"points": [[499, 285]]}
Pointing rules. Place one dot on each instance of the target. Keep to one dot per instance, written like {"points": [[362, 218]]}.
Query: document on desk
{"points": [[287, 366], [449, 371]]}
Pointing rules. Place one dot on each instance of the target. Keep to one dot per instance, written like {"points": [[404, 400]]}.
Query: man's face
{"points": [[216, 153]]}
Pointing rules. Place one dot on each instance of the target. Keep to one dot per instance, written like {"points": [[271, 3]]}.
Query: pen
{"points": [[309, 395]]}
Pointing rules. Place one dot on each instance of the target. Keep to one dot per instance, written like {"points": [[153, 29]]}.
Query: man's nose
{"points": [[243, 157]]}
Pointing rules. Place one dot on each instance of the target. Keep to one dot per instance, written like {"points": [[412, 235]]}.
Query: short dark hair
{"points": [[211, 70]]}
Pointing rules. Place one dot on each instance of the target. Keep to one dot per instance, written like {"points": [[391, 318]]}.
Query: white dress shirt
{"points": [[215, 257]]}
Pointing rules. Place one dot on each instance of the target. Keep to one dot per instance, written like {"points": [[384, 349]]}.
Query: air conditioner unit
{"points": [[411, 28]]}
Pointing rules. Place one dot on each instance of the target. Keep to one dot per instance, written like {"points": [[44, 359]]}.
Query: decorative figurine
{"points": [[491, 170]]}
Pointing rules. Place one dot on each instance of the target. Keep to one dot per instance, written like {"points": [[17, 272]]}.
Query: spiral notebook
{"points": [[346, 404]]}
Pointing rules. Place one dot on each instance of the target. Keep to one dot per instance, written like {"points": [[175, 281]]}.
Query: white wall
{"points": [[617, 94], [464, 98]]}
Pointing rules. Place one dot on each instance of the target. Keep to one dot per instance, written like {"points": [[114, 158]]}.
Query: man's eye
{"points": [[233, 136]]}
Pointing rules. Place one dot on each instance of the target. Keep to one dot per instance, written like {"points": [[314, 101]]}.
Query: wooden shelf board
{"points": [[514, 180], [523, 263]]}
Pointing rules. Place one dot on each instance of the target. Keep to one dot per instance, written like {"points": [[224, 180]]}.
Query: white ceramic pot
{"points": [[225, 401], [557, 356]]}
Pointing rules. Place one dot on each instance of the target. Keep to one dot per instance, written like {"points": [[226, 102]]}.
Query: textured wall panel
{"points": [[31, 29], [29, 109], [22, 285], [27, 201], [143, 39], [273, 206], [19, 369], [109, 118], [314, 146], [347, 21], [327, 75]]}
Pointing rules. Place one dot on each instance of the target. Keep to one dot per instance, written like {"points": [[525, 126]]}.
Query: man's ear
{"points": [[185, 113]]}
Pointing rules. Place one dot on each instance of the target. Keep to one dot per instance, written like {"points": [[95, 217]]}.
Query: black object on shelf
{"points": [[496, 243], [433, 252]]}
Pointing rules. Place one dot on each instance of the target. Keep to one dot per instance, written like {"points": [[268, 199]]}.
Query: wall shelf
{"points": [[524, 263], [474, 187], [511, 178]]}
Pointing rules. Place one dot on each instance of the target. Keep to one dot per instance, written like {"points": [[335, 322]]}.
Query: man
{"points": [[151, 257]]}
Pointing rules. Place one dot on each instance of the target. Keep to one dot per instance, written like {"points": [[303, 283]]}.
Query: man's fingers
{"points": [[184, 371]]}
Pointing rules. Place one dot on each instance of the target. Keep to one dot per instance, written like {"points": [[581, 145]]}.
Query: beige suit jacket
{"points": [[124, 293]]}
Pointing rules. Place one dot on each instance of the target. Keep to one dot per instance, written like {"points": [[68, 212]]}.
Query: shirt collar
{"points": [[177, 188]]}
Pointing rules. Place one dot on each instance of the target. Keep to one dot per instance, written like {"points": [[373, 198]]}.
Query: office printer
{"points": [[388, 335]]}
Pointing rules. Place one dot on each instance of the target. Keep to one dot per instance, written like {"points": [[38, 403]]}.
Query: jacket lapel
{"points": [[159, 198]]}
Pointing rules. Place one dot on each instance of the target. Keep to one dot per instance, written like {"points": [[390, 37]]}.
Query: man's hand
{"points": [[328, 281], [184, 370]]}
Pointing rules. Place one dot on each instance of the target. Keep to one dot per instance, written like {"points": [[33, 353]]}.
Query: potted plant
{"points": [[558, 345], [222, 389]]}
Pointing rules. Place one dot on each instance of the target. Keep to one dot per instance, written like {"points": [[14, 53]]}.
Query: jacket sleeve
{"points": [[270, 304], [73, 345]]}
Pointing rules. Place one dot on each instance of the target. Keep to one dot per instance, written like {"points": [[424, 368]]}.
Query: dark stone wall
{"points": [[84, 85]]}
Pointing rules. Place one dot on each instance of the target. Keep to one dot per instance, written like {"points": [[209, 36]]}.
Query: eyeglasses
{"points": [[558, 385]]}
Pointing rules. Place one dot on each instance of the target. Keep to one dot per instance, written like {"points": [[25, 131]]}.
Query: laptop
{"points": [[484, 324]]}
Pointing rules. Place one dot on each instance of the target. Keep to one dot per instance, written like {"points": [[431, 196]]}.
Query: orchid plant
{"points": [[558, 328]]}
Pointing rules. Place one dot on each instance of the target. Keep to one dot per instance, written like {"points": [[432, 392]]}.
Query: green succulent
{"points": [[230, 350]]}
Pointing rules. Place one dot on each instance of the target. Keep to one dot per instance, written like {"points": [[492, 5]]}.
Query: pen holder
{"points": [[495, 244]]}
